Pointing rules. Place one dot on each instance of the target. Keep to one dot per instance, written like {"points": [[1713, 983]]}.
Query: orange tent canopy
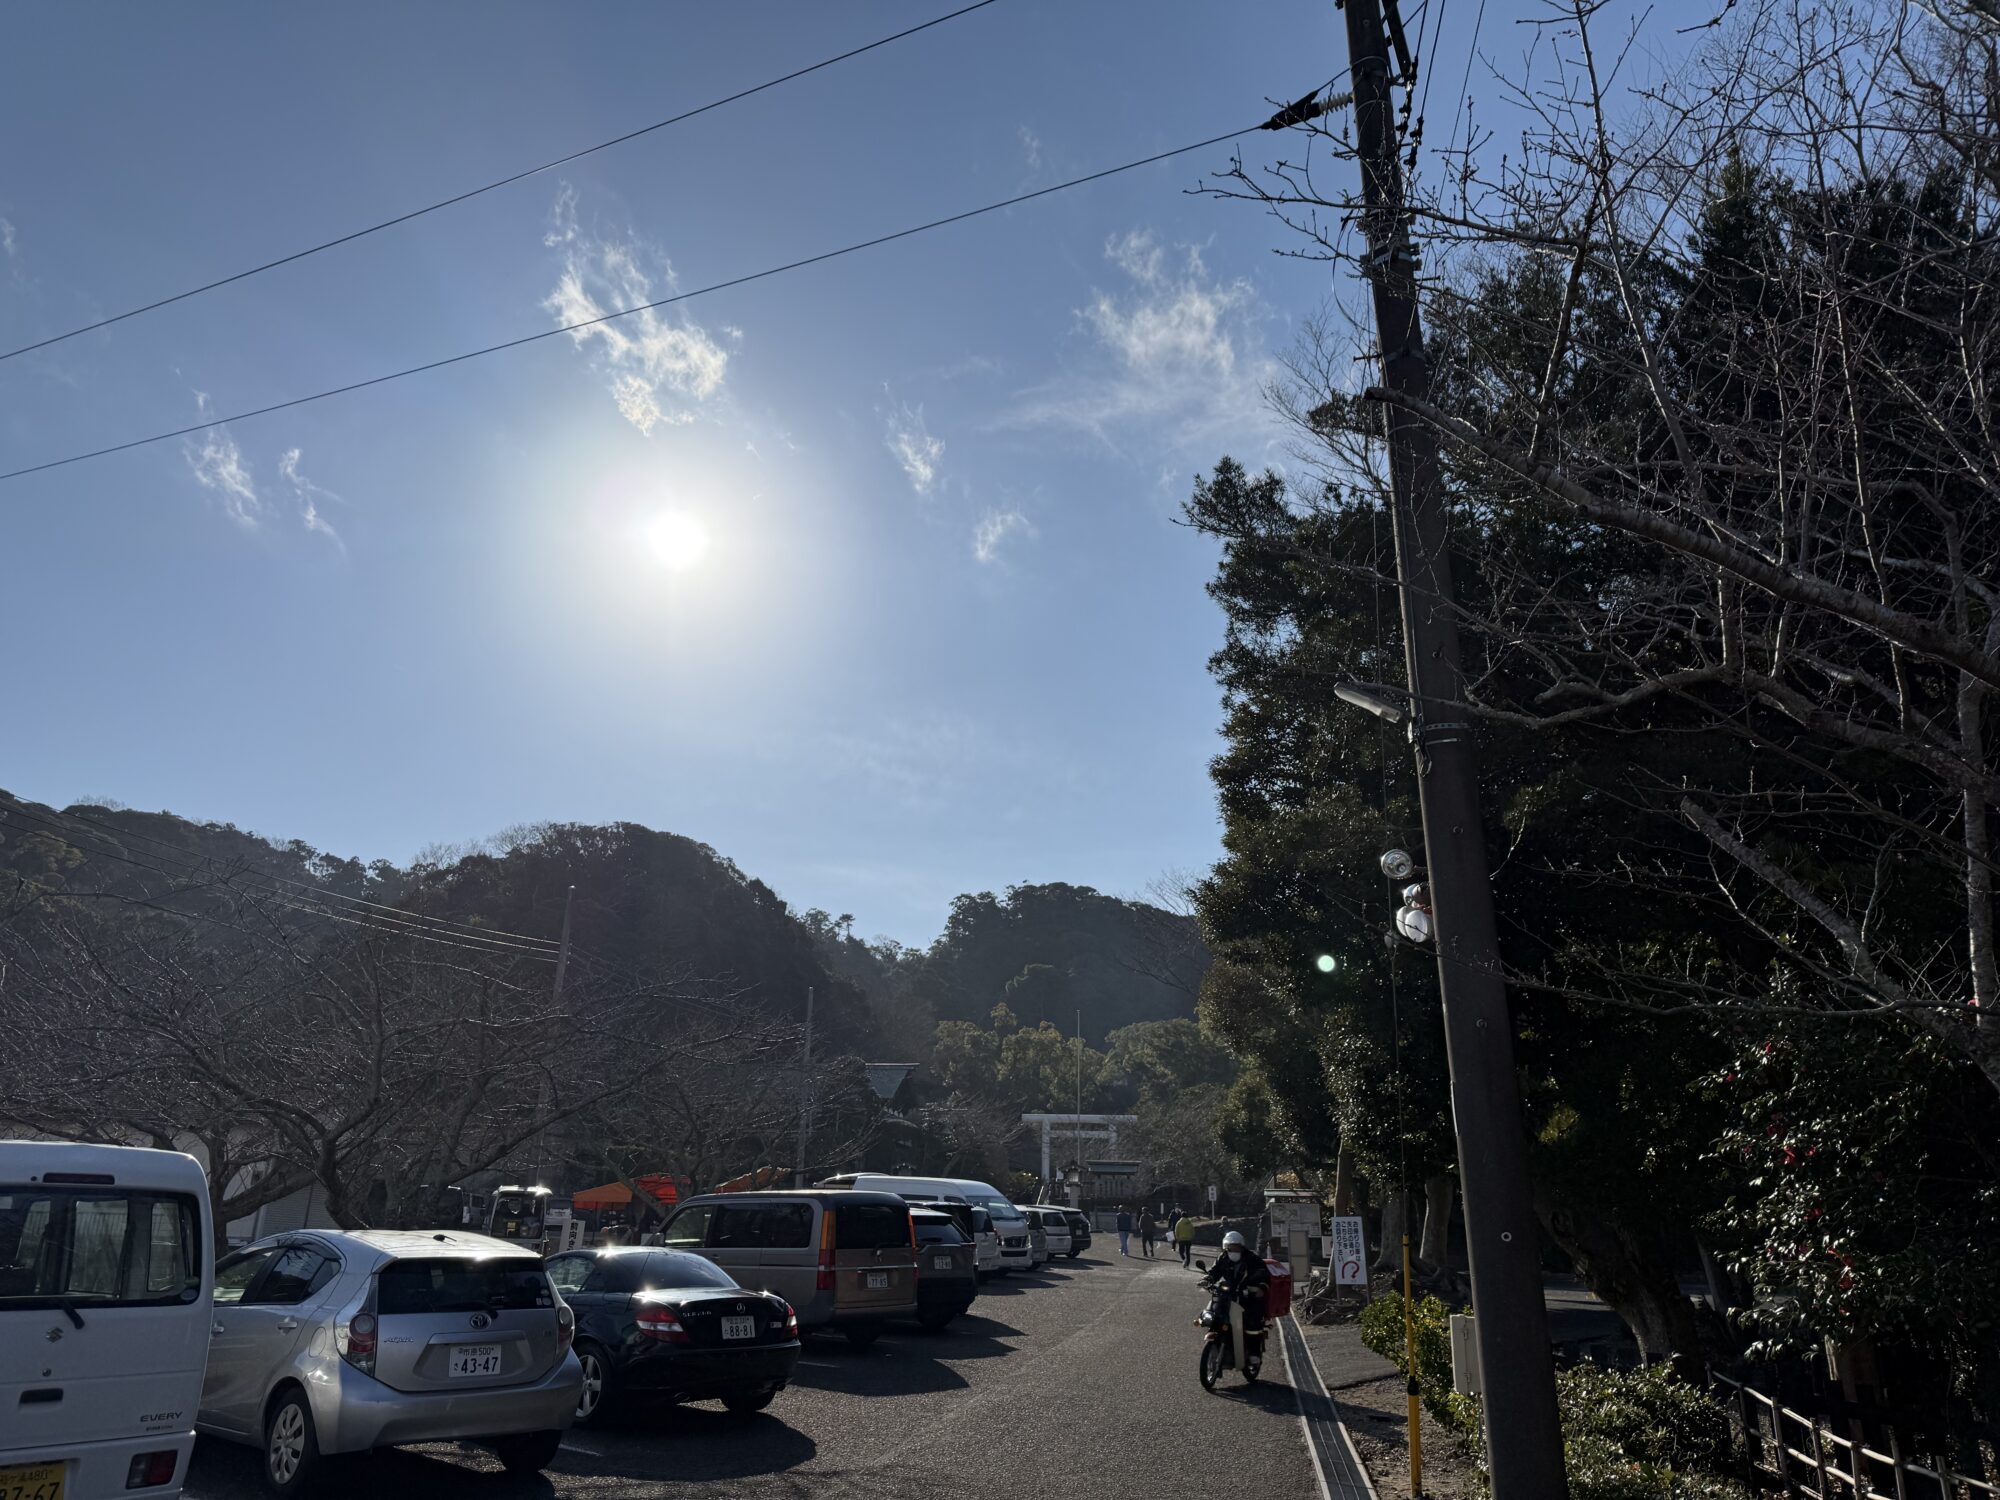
{"points": [[657, 1185]]}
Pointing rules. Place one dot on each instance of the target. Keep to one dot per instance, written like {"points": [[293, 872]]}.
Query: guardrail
{"points": [[1807, 1458]]}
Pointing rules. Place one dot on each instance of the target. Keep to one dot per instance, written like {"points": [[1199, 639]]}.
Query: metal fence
{"points": [[1807, 1458]]}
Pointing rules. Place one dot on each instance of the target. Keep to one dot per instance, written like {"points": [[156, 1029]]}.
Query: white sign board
{"points": [[1349, 1251], [1288, 1214], [1211, 1195]]}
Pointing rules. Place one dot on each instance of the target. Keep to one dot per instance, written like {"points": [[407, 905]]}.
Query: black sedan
{"points": [[660, 1325]]}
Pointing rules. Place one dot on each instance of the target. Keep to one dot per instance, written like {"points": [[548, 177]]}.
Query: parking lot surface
{"points": [[1077, 1379]]}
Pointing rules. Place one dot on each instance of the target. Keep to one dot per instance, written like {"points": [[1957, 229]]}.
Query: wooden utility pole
{"points": [[1517, 1370], [806, 1095]]}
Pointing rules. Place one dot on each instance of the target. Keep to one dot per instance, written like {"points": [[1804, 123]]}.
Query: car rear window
{"points": [[870, 1226], [932, 1232], [445, 1286]]}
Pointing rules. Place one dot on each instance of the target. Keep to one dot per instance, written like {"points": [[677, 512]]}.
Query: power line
{"points": [[549, 333], [431, 208], [326, 893], [390, 925]]}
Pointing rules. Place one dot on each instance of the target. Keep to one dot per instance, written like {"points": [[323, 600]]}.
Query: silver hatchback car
{"points": [[327, 1342]]}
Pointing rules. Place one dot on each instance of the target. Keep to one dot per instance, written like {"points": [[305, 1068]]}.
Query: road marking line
{"points": [[1350, 1480], [579, 1448]]}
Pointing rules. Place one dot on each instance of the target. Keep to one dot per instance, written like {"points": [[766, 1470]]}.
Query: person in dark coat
{"points": [[1124, 1230]]}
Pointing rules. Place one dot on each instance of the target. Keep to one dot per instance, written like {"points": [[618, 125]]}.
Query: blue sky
{"points": [[946, 635]]}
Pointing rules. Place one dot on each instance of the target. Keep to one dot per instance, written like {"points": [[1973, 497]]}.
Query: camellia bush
{"points": [[1641, 1434]]}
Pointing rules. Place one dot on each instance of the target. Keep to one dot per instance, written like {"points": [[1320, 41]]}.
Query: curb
{"points": [[1335, 1462]]}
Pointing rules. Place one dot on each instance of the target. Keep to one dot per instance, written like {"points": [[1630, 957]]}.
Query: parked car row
{"points": [[121, 1334]]}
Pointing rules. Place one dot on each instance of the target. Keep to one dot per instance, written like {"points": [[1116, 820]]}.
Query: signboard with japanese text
{"points": [[1349, 1251]]}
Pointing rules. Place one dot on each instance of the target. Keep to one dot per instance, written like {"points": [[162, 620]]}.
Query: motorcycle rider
{"points": [[1245, 1275]]}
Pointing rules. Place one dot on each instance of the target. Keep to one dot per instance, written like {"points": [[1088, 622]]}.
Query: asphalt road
{"points": [[1074, 1380]]}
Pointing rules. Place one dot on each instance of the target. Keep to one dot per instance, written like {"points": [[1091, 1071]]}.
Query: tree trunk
{"points": [[1395, 1224], [1440, 1193], [1629, 1277], [1343, 1184]]}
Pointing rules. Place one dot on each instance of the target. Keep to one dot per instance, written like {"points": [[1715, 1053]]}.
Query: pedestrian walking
{"points": [[1149, 1231], [1124, 1230], [1184, 1239]]}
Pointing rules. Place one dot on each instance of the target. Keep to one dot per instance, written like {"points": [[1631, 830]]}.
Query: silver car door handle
{"points": [[286, 1325], [215, 1328]]}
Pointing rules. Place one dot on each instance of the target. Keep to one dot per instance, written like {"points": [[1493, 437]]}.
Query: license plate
{"points": [[31, 1482], [739, 1328], [878, 1281], [942, 1262], [473, 1360]]}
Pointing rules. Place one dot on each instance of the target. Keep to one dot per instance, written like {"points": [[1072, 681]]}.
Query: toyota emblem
{"points": [[480, 1320]]}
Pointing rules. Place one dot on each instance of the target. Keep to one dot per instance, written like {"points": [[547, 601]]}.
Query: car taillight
{"points": [[663, 1323], [565, 1326], [824, 1283], [791, 1320], [358, 1347], [150, 1469], [916, 1260]]}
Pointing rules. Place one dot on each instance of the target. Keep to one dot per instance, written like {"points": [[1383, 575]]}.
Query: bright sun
{"points": [[678, 540]]}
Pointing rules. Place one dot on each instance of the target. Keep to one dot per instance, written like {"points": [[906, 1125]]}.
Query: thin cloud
{"points": [[649, 358], [915, 449], [1173, 355], [993, 530], [1031, 147], [7, 237], [308, 496], [218, 467]]}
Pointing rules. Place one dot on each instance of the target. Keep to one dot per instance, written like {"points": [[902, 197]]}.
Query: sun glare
{"points": [[679, 541]]}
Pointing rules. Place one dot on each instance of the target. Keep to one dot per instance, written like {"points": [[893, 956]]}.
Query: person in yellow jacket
{"points": [[1184, 1239]]}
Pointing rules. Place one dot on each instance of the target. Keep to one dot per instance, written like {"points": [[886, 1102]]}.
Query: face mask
{"points": [[1236, 1255]]}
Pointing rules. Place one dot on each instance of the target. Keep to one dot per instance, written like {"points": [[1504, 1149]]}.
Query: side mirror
{"points": [[1200, 1264]]}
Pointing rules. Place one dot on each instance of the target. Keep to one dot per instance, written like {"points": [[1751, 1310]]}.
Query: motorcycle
{"points": [[1227, 1344]]}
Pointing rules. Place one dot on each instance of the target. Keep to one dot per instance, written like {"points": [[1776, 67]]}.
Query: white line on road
{"points": [[579, 1448]]}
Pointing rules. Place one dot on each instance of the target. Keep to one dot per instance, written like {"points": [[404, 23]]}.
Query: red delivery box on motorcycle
{"points": [[1278, 1301]]}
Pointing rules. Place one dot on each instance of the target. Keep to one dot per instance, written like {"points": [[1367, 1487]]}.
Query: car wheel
{"points": [[595, 1398], [749, 1403], [934, 1322], [291, 1447], [861, 1335], [1074, 1254], [527, 1452]]}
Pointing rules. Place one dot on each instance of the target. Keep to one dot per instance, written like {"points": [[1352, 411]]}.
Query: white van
{"points": [[105, 1301], [1010, 1225]]}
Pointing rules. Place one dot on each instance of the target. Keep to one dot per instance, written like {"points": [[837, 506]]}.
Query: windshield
{"points": [[108, 1247], [1001, 1210]]}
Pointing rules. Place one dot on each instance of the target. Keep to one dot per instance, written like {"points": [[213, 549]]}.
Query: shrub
{"points": [[1382, 1331], [1650, 1414], [1627, 1435]]}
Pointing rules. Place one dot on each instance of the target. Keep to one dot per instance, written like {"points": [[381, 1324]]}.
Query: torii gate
{"points": [[1083, 1127]]}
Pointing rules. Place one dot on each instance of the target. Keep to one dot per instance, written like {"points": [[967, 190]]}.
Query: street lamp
{"points": [[1377, 698]]}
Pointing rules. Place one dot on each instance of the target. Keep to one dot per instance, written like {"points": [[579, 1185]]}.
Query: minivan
{"points": [[1008, 1221], [844, 1260], [105, 1294]]}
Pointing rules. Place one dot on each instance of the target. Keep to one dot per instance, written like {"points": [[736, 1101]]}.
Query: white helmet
{"points": [[1234, 1241]]}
